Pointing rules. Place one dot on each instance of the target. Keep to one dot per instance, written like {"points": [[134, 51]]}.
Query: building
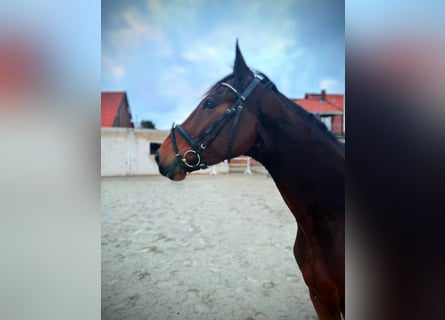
{"points": [[115, 110], [329, 108]]}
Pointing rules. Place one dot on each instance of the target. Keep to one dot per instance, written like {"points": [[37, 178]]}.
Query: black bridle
{"points": [[212, 131]]}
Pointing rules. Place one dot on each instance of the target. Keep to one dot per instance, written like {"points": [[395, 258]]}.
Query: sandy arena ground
{"points": [[209, 247]]}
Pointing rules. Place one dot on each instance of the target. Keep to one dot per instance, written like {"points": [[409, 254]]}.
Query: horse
{"points": [[244, 113]]}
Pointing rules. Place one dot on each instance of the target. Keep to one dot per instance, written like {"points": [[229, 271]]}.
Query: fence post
{"points": [[248, 171]]}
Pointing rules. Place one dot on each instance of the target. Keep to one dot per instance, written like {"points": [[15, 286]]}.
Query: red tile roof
{"points": [[335, 100], [110, 102], [316, 106]]}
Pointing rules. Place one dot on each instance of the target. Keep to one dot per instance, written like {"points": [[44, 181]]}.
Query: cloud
{"points": [[154, 5], [134, 29], [203, 53], [262, 48], [329, 84], [117, 70]]}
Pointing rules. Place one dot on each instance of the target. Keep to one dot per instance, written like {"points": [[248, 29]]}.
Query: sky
{"points": [[167, 54]]}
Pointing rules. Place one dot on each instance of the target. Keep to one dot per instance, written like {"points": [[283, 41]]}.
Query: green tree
{"points": [[147, 124]]}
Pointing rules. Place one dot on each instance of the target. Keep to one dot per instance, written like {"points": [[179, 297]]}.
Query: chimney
{"points": [[323, 95]]}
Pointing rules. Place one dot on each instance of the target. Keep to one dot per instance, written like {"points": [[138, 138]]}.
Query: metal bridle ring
{"points": [[188, 164]]}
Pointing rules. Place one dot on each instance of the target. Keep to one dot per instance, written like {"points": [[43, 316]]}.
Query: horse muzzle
{"points": [[173, 170]]}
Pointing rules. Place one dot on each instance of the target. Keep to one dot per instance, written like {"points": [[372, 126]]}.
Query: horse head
{"points": [[222, 126]]}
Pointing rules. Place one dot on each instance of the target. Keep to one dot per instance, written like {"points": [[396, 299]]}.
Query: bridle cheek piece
{"points": [[212, 131]]}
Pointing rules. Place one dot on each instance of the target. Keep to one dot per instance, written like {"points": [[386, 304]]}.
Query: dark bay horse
{"points": [[244, 113]]}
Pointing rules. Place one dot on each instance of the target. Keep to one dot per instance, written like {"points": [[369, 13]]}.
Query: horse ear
{"points": [[240, 68]]}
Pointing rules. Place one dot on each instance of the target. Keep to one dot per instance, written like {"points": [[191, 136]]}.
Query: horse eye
{"points": [[209, 104]]}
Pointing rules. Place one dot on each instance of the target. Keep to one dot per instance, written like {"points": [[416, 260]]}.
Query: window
{"points": [[154, 146], [327, 120]]}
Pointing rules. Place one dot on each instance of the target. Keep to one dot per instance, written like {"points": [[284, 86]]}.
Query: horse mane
{"points": [[308, 115], [293, 107], [290, 105]]}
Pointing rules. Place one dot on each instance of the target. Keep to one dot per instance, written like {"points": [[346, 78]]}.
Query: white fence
{"points": [[126, 152]]}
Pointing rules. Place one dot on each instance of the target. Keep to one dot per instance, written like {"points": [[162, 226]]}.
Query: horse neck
{"points": [[304, 159]]}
